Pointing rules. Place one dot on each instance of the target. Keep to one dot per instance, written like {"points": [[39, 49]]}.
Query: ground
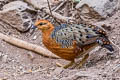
{"points": [[16, 63]]}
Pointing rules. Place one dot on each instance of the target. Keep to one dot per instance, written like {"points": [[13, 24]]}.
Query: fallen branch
{"points": [[46, 10], [28, 46], [58, 16]]}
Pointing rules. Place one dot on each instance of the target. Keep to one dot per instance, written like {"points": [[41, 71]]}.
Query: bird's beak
{"points": [[33, 27]]}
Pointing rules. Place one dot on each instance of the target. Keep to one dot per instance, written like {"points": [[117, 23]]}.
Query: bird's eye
{"points": [[42, 24]]}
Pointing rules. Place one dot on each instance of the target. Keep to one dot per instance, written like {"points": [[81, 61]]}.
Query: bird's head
{"points": [[43, 25]]}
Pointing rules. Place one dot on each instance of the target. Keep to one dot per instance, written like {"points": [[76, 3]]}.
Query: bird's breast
{"points": [[56, 48]]}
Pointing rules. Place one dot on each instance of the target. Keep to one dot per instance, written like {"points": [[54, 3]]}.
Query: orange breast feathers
{"points": [[56, 48]]}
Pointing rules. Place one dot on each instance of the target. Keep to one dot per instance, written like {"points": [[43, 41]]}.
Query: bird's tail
{"points": [[104, 42]]}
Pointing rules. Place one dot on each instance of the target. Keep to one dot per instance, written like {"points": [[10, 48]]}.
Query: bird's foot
{"points": [[82, 62], [65, 66]]}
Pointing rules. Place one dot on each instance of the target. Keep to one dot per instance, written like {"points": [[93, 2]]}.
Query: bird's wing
{"points": [[82, 35]]}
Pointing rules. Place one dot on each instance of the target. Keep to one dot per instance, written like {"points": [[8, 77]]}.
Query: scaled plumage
{"points": [[72, 41]]}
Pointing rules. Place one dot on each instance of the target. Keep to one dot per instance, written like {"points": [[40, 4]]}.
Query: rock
{"points": [[19, 5], [103, 7], [16, 20], [16, 14], [39, 3]]}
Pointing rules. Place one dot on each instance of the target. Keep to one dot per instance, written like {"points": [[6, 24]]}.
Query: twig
{"points": [[59, 17], [66, 8], [54, 14], [51, 12], [49, 7], [26, 45], [59, 6]]}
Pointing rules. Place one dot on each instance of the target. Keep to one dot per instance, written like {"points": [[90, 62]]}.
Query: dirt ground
{"points": [[16, 63]]}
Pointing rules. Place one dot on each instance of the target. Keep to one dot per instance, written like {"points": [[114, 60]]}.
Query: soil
{"points": [[17, 63]]}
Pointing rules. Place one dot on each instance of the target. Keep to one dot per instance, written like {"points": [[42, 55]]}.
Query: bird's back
{"points": [[83, 35]]}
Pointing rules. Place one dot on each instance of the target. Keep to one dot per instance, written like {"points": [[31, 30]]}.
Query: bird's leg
{"points": [[82, 61], [67, 65]]}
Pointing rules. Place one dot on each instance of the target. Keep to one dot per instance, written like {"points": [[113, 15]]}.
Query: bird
{"points": [[72, 41]]}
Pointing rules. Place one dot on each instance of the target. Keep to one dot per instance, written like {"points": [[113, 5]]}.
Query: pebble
{"points": [[4, 59]]}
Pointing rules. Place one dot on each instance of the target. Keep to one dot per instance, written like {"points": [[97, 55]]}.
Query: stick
{"points": [[23, 44], [55, 9], [51, 12], [46, 10]]}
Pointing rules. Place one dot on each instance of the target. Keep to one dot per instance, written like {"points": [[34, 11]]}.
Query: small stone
{"points": [[30, 55], [113, 37], [35, 37], [4, 59]]}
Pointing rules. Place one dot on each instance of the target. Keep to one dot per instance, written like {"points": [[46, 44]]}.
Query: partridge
{"points": [[71, 41]]}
